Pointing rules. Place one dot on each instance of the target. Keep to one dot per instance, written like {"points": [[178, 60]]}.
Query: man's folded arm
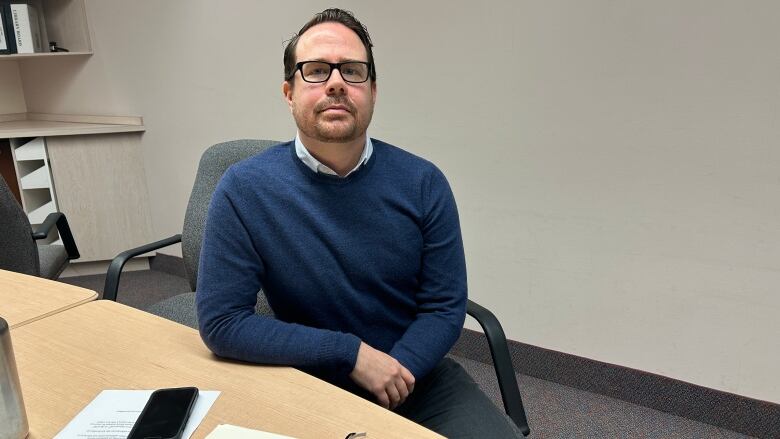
{"points": [[229, 279], [441, 298]]}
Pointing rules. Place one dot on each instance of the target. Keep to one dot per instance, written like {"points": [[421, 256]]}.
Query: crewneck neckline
{"points": [[334, 180]]}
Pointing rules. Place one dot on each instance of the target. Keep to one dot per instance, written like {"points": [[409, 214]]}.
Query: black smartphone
{"points": [[165, 414]]}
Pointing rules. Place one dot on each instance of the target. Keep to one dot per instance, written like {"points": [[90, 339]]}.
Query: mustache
{"points": [[329, 102]]}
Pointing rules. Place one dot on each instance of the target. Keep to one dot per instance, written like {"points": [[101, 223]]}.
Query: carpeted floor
{"points": [[554, 410]]}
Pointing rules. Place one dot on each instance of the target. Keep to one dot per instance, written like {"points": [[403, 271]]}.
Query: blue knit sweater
{"points": [[376, 256]]}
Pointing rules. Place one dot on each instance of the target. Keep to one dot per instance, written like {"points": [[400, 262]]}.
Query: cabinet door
{"points": [[100, 186]]}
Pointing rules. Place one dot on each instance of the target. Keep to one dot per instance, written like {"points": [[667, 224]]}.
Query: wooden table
{"points": [[66, 359], [25, 299]]}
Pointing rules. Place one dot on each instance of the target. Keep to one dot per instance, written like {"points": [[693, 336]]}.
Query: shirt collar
{"points": [[316, 166]]}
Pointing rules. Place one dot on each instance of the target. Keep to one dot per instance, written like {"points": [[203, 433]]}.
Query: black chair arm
{"points": [[115, 269], [505, 373], [61, 222]]}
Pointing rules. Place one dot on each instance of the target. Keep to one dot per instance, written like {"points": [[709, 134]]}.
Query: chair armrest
{"points": [[115, 269], [505, 373], [58, 219]]}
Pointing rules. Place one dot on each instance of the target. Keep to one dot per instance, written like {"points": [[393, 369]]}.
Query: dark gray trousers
{"points": [[449, 402]]}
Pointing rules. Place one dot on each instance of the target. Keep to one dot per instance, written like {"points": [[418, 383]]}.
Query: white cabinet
{"points": [[34, 178], [26, 149]]}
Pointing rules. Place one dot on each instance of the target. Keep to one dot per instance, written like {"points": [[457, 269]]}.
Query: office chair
{"points": [[181, 308], [18, 250]]}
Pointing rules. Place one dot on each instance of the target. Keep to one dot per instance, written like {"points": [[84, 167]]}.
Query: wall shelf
{"points": [[16, 56], [63, 21], [38, 124]]}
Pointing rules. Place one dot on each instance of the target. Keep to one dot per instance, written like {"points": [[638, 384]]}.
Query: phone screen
{"points": [[165, 414]]}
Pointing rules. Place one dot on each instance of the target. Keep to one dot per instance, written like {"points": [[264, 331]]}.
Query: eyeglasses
{"points": [[353, 72]]}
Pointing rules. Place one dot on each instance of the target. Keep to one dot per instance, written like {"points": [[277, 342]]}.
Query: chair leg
{"points": [[505, 373]]}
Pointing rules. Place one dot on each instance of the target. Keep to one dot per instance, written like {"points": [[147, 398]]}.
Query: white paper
{"points": [[226, 431], [112, 414]]}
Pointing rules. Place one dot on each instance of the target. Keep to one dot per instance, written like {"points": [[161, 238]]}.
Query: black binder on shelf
{"points": [[8, 37]]}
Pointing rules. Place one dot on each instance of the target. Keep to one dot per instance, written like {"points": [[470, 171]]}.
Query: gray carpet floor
{"points": [[554, 410]]}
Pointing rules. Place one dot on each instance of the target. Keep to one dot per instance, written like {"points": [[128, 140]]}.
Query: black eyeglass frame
{"points": [[333, 66]]}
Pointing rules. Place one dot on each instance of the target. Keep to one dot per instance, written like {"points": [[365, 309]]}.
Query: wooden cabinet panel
{"points": [[100, 186]]}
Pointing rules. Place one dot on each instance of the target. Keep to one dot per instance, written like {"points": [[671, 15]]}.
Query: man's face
{"points": [[333, 111]]}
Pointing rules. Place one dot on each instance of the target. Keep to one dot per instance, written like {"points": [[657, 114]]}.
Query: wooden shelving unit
{"points": [[27, 135], [88, 167], [34, 176], [32, 168], [63, 21]]}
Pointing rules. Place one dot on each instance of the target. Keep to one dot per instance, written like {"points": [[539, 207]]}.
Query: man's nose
{"points": [[336, 84]]}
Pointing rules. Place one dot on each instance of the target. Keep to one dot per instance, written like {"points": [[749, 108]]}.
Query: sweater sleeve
{"points": [[441, 297], [229, 278]]}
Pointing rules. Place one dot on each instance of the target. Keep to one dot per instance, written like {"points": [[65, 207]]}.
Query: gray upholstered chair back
{"points": [[213, 163], [18, 251]]}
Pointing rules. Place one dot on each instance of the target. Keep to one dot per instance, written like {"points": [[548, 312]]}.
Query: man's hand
{"points": [[383, 376]]}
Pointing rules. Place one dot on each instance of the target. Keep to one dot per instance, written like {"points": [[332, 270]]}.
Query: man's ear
{"points": [[287, 91], [373, 92]]}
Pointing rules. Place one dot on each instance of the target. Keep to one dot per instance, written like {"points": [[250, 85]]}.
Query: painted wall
{"points": [[615, 163]]}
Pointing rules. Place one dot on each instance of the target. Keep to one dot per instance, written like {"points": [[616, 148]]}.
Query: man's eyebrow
{"points": [[341, 60]]}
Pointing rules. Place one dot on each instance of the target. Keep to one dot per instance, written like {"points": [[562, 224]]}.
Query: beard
{"points": [[327, 128]]}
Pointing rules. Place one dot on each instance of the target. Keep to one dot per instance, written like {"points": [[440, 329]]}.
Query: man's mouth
{"points": [[334, 106], [336, 109]]}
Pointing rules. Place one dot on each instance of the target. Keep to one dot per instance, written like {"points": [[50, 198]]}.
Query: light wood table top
{"points": [[25, 299], [66, 359]]}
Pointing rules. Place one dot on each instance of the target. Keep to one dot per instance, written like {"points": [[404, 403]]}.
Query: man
{"points": [[355, 243]]}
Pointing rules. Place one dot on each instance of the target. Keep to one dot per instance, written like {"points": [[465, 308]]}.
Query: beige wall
{"points": [[615, 163]]}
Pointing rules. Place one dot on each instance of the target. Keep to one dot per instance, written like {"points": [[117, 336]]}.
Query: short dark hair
{"points": [[329, 15]]}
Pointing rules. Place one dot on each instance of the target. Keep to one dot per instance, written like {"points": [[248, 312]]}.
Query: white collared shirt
{"points": [[316, 166]]}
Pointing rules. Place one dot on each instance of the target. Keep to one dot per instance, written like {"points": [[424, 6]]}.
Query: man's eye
{"points": [[350, 71], [317, 71]]}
